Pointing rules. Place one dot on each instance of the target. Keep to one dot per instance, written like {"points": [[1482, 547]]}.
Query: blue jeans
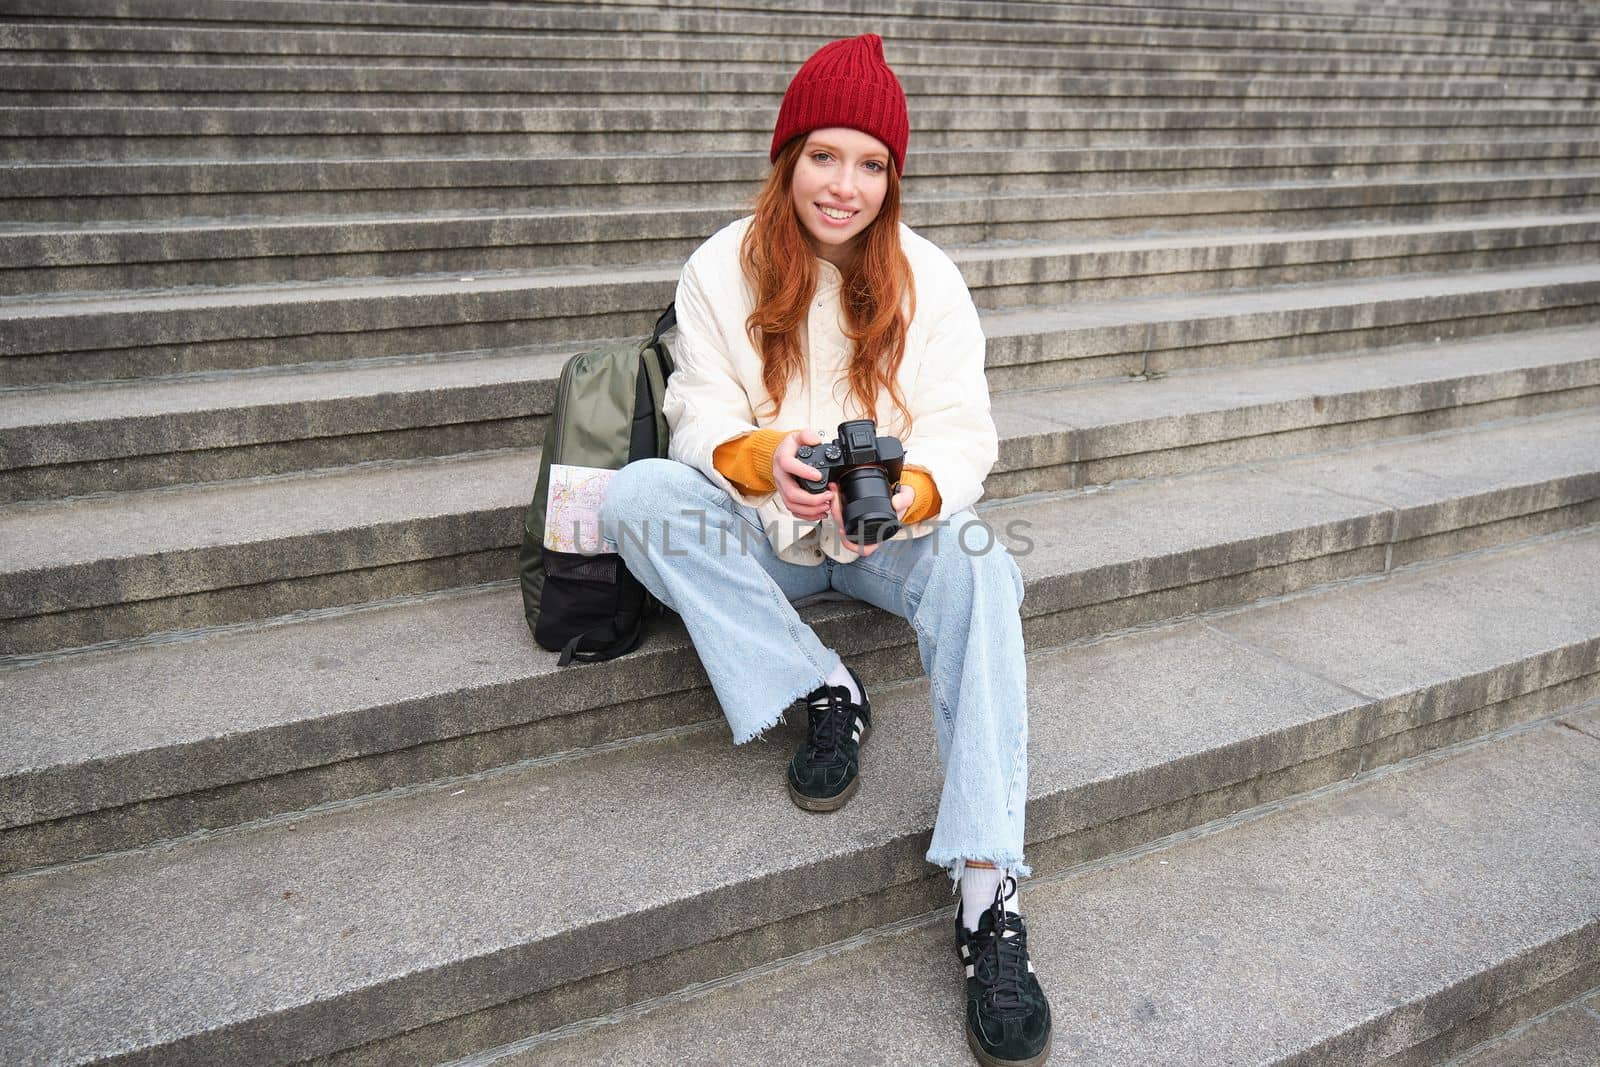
{"points": [[704, 555]]}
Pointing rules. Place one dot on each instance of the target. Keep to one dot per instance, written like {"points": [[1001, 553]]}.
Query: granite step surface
{"points": [[172, 253], [112, 133], [43, 43], [1155, 335], [262, 945], [544, 26], [46, 85], [1397, 919], [132, 334], [76, 440], [224, 552], [1505, 23], [197, 556], [284, 188], [213, 728], [312, 712], [1534, 14]]}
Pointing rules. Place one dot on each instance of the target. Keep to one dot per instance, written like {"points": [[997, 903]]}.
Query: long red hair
{"points": [[875, 294]]}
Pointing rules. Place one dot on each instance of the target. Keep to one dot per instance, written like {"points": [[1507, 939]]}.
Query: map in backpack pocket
{"points": [[572, 509]]}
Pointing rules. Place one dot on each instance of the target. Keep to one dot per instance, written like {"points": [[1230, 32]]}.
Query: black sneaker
{"points": [[823, 775], [1008, 1017]]}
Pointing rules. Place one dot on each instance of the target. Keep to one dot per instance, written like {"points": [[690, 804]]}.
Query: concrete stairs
{"points": [[1294, 343]]}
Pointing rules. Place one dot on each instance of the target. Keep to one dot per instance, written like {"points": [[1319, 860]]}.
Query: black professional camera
{"points": [[867, 468]]}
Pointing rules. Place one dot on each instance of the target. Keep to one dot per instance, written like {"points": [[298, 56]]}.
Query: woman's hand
{"points": [[901, 502], [785, 468]]}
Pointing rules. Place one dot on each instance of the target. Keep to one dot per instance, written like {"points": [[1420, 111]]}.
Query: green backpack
{"points": [[585, 605]]}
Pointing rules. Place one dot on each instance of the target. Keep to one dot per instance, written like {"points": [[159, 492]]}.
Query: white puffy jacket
{"points": [[714, 393]]}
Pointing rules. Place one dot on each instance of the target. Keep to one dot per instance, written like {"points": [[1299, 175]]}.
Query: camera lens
{"points": [[869, 517]]}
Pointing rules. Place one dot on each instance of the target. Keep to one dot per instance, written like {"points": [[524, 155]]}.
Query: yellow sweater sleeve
{"points": [[747, 462], [926, 503]]}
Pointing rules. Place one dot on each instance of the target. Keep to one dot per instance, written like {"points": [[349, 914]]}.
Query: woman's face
{"points": [[839, 184]]}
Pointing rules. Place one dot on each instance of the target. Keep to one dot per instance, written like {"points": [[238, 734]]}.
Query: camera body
{"points": [[867, 468]]}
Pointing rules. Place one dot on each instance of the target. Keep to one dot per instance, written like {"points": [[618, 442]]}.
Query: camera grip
{"points": [[816, 457]]}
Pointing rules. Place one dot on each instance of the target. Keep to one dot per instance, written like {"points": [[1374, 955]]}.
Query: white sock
{"points": [[978, 886], [840, 676]]}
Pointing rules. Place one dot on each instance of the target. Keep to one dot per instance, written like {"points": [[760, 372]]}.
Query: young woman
{"points": [[820, 308]]}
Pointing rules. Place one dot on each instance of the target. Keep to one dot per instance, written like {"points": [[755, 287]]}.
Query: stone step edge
{"points": [[356, 79], [623, 100], [1030, 439], [94, 120], [15, 234], [1012, 349], [144, 258], [1500, 1018], [1148, 169], [757, 51], [77, 263], [625, 943], [136, 303], [715, 30], [55, 339], [1286, 64], [1025, 352], [1503, 14], [1501, 11], [1435, 22], [1000, 325], [1387, 526], [1157, 153], [44, 437], [1016, 344]]}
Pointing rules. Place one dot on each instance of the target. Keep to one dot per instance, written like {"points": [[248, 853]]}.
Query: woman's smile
{"points": [[839, 216]]}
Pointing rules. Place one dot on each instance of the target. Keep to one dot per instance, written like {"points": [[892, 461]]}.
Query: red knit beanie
{"points": [[846, 83]]}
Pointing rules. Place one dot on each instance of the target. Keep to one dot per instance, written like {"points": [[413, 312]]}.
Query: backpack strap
{"points": [[655, 367], [668, 319], [620, 645]]}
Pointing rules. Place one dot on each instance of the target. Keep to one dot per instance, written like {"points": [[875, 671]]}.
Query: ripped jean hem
{"points": [[777, 716]]}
